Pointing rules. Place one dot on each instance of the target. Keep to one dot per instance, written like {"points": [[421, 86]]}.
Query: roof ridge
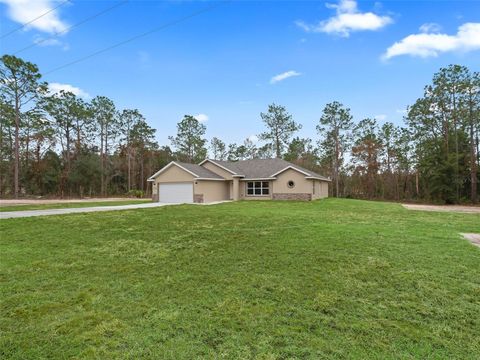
{"points": [[272, 166], [198, 169]]}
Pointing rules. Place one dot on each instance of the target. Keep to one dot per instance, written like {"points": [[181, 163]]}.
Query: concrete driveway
{"points": [[473, 238], [29, 213], [21, 201], [447, 208], [46, 212]]}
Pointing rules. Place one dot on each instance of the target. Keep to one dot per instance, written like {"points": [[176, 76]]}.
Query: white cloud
{"points": [[283, 76], [46, 42], [201, 117], [400, 111], [55, 88], [425, 45], [253, 138], [430, 28], [381, 117], [301, 24], [41, 41], [24, 11], [348, 19]]}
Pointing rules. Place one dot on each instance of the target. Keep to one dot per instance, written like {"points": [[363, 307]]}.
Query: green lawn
{"points": [[266, 280], [70, 205]]}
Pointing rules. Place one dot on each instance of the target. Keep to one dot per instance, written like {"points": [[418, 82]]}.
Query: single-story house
{"points": [[212, 180]]}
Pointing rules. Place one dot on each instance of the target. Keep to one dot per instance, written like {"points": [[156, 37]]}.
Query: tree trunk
{"points": [[457, 185], [478, 144], [129, 187], [67, 155], [277, 145], [473, 174], [105, 163], [336, 162], [11, 156], [133, 170], [37, 163], [473, 159], [27, 146], [417, 190], [1, 144], [141, 172], [478, 148], [17, 150], [102, 162]]}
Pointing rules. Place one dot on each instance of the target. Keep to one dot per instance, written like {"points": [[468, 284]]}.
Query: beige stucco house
{"points": [[256, 179]]}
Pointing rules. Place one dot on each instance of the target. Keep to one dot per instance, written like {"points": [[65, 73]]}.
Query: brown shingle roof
{"points": [[200, 171], [263, 168]]}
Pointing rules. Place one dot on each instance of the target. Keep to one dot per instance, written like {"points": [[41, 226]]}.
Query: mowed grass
{"points": [[248, 280], [5, 208]]}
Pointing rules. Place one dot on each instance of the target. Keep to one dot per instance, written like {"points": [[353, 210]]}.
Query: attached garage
{"points": [[175, 193], [181, 183]]}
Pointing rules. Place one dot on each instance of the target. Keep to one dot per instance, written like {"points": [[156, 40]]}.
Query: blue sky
{"points": [[375, 57]]}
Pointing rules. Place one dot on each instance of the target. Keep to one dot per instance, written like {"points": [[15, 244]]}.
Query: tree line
{"points": [[60, 144]]}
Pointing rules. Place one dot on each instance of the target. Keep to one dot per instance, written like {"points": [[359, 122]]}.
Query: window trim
{"points": [[261, 188], [291, 186]]}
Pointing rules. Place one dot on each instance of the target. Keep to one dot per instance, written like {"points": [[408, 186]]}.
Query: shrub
{"points": [[135, 193]]}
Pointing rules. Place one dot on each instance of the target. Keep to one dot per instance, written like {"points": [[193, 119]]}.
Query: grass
{"points": [[70, 205], [248, 280]]}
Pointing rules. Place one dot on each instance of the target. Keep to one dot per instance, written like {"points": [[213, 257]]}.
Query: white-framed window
{"points": [[258, 188]]}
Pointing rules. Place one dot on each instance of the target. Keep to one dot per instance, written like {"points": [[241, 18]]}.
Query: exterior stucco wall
{"points": [[321, 189], [315, 189], [172, 174], [217, 170], [323, 193], [223, 173], [212, 190], [279, 190], [302, 185]]}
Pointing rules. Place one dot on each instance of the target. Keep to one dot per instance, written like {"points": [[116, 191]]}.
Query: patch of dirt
{"points": [[445, 208], [11, 202], [473, 238]]}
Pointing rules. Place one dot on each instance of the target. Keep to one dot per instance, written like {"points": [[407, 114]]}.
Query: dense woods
{"points": [[61, 145]]}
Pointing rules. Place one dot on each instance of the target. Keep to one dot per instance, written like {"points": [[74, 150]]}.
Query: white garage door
{"points": [[176, 193]]}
